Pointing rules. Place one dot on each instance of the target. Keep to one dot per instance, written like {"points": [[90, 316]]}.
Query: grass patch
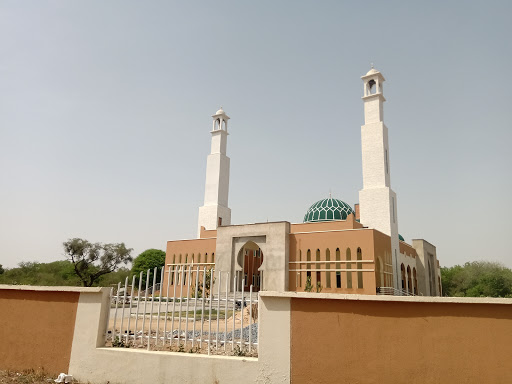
{"points": [[26, 377], [197, 314]]}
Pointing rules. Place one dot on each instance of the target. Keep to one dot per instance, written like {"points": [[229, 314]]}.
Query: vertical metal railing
{"points": [[184, 294]]}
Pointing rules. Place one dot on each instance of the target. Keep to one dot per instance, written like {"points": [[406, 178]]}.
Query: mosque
{"points": [[336, 249]]}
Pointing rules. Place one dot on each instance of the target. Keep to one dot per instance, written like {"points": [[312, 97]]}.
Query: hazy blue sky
{"points": [[105, 113]]}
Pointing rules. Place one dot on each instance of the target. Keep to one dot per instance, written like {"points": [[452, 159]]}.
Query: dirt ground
{"points": [[180, 345], [27, 377]]}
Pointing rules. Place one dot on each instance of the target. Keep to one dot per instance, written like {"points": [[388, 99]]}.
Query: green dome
{"points": [[400, 237], [328, 210]]}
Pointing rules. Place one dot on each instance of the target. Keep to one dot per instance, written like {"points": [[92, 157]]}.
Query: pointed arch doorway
{"points": [[250, 257]]}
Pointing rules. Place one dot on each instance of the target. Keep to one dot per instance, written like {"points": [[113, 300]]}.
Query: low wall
{"points": [[90, 361], [36, 328], [303, 338], [375, 339], [62, 329]]}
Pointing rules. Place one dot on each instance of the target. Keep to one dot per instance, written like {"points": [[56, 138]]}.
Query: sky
{"points": [[105, 114]]}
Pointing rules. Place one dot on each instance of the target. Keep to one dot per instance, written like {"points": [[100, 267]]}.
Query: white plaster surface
{"points": [[425, 250], [52, 288], [377, 201], [216, 192]]}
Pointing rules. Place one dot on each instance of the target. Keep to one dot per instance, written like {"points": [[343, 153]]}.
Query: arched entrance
{"points": [[250, 258]]}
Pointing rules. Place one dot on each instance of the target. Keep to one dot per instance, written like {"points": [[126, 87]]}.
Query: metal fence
{"points": [[391, 291], [183, 313]]}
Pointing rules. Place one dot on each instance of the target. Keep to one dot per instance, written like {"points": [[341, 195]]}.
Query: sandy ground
{"points": [[153, 321], [148, 322]]}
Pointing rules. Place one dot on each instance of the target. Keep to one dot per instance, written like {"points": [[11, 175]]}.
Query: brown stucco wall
{"points": [[343, 239], [36, 329], [349, 223], [178, 250], [350, 341]]}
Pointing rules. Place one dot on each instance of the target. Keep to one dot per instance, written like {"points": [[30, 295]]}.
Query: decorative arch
{"points": [[379, 272], [248, 265], [402, 269], [299, 274], [328, 267], [338, 267], [349, 266], [359, 267], [317, 267], [415, 281], [308, 264], [409, 280]]}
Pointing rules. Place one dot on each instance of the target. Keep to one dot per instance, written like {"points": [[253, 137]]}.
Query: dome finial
{"points": [[371, 64]]}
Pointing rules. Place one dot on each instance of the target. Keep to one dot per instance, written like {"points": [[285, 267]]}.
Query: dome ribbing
{"points": [[328, 210]]}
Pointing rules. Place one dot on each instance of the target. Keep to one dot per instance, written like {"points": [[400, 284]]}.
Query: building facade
{"points": [[337, 248]]}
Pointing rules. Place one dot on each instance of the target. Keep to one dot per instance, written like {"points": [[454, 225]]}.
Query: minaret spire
{"points": [[215, 211], [378, 206]]}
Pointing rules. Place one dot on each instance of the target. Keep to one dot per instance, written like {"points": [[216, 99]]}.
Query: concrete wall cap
{"points": [[55, 289], [414, 299]]}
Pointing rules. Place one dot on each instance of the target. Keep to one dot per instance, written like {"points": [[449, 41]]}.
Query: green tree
{"points": [[149, 259], [477, 279], [93, 260], [31, 273], [308, 287], [115, 277], [204, 291], [2, 270]]}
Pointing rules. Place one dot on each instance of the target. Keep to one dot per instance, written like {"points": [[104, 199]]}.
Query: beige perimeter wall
{"points": [[36, 329], [406, 340]]}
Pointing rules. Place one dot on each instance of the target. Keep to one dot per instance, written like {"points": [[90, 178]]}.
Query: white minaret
{"points": [[215, 211], [377, 201]]}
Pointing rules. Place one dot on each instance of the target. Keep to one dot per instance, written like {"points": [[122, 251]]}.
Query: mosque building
{"points": [[336, 249]]}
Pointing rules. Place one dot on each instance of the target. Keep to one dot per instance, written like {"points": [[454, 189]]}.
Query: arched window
{"points": [[372, 89], [318, 266], [378, 270], [402, 268], [430, 278], [349, 266], [328, 267], [409, 280], [338, 267], [414, 281], [171, 270], [359, 267], [300, 267], [213, 257], [308, 265]]}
